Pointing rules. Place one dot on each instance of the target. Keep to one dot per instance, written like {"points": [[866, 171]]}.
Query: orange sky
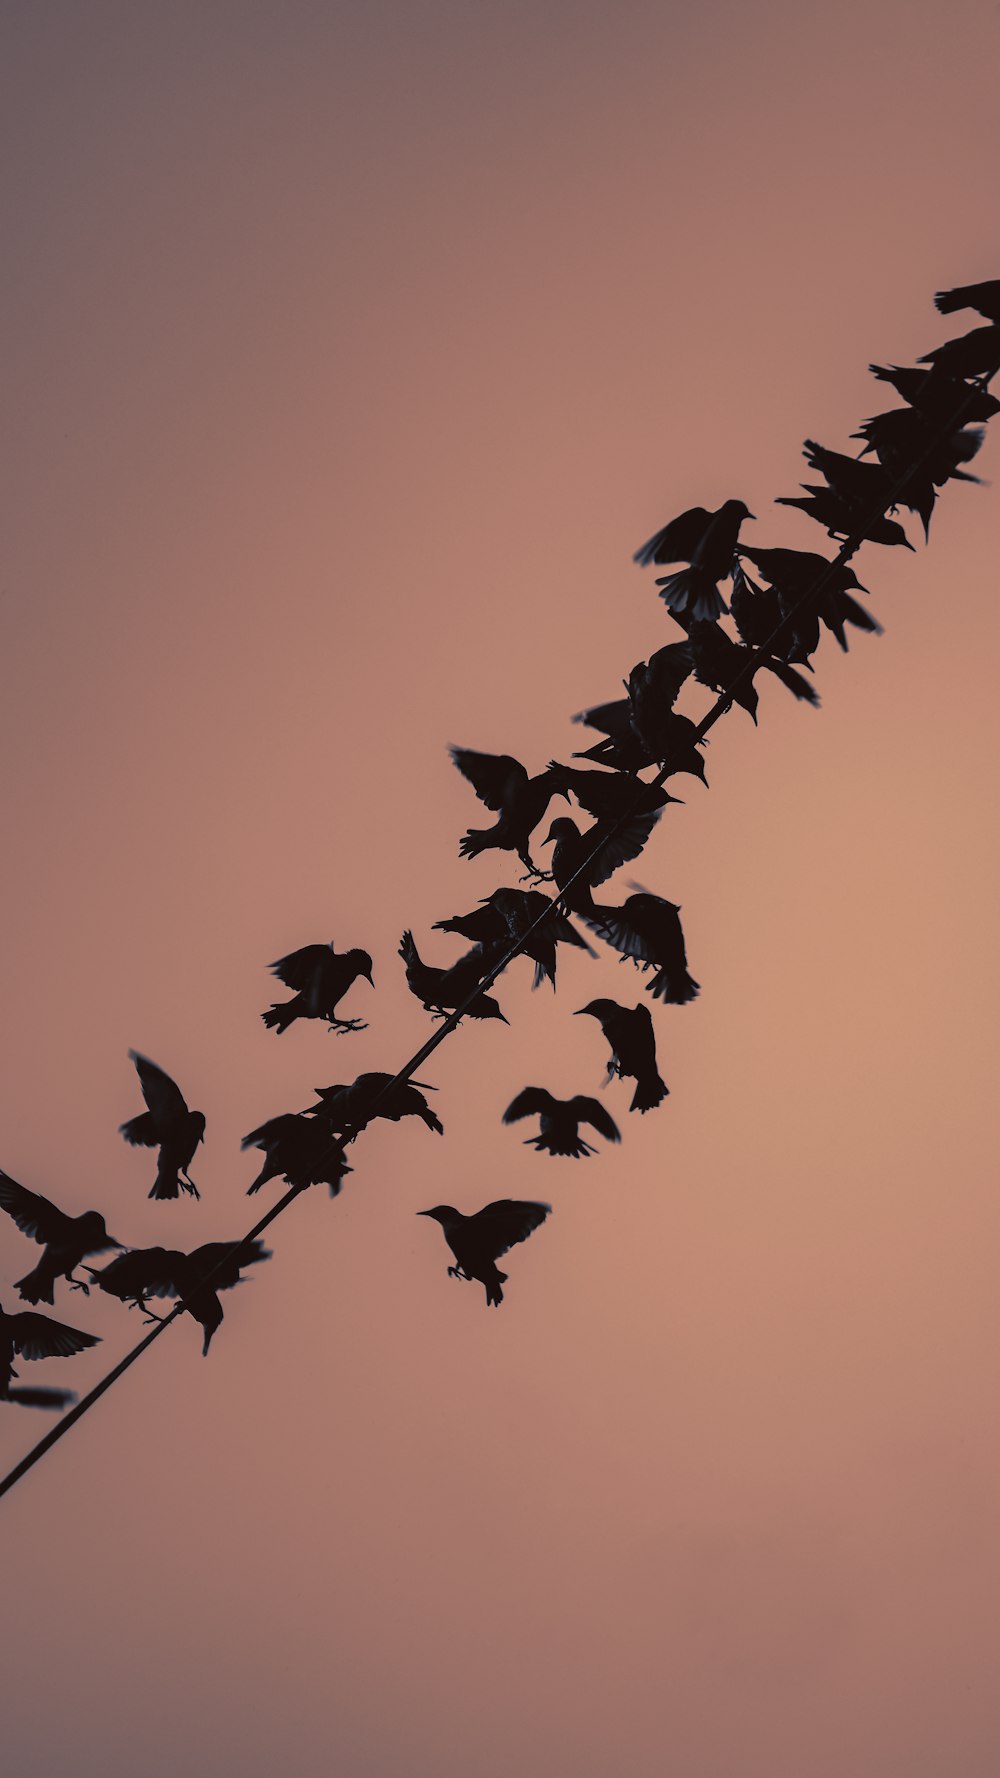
{"points": [[351, 353]]}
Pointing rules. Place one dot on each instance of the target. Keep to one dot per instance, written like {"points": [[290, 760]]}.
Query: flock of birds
{"points": [[778, 602]]}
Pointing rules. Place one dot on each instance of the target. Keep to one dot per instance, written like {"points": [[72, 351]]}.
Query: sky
{"points": [[350, 354]]}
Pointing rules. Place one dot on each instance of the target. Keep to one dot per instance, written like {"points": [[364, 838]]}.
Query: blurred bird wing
{"points": [[506, 1222], [220, 1263], [299, 969], [610, 719], [529, 1100], [33, 1214], [615, 925], [141, 1131], [146, 1271], [38, 1336], [591, 1111], [625, 842], [166, 1103], [676, 541], [495, 777], [287, 1123]]}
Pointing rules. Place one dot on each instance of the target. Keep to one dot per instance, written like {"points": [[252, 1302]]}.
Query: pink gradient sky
{"points": [[351, 353]]}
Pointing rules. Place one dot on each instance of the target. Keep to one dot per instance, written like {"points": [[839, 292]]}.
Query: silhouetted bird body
{"points": [[795, 575], [938, 396], [975, 354], [33, 1336], [632, 1041], [607, 795], [842, 518], [349, 1108], [984, 298], [560, 1120], [902, 439], [506, 917], [67, 1239], [647, 929], [724, 665], [194, 1277], [674, 742], [168, 1125], [503, 784], [441, 991], [321, 978], [611, 847], [301, 1150], [478, 1241], [707, 541]]}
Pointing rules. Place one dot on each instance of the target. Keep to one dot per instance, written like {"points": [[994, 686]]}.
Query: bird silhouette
{"points": [[613, 844], [503, 784], [194, 1277], [559, 1131], [937, 395], [907, 444], [674, 744], [795, 575], [984, 298], [66, 1239], [348, 1109], [707, 541], [34, 1336], [299, 1149], [647, 929], [441, 991], [975, 354], [607, 795], [841, 518], [724, 665], [168, 1125], [478, 1241], [321, 978], [632, 1040], [506, 917]]}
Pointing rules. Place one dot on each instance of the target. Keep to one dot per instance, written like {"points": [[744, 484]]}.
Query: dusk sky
{"points": [[350, 354]]}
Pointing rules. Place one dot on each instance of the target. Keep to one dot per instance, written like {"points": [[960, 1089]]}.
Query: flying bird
{"points": [[796, 577], [301, 1150], [66, 1239], [168, 1125], [612, 843], [707, 541], [194, 1277], [320, 978], [350, 1108], [560, 1120], [34, 1336], [441, 991], [632, 1040], [647, 929], [503, 784], [507, 917], [478, 1241]]}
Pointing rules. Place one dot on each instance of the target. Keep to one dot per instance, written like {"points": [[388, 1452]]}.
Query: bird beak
{"points": [[119, 1244], [369, 977], [423, 1213]]}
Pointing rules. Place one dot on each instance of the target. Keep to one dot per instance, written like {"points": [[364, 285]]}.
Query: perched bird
{"points": [[67, 1239], [321, 978], [984, 298], [723, 665], [707, 541], [674, 745], [168, 1125], [612, 844], [907, 444], [559, 1131], [975, 354], [629, 1032], [34, 1336], [809, 588], [841, 518], [936, 395], [301, 1150], [503, 784], [349, 1108], [194, 1277], [606, 795], [479, 1241], [647, 929], [506, 918], [441, 991]]}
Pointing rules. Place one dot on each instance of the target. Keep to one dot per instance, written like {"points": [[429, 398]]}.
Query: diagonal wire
{"points": [[724, 702]]}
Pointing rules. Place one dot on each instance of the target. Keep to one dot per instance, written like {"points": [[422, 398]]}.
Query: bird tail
{"points": [[277, 1017], [432, 1120], [472, 843], [167, 1184], [649, 1092], [36, 1286], [794, 682], [42, 1398], [494, 1294], [675, 987], [691, 593], [571, 1144]]}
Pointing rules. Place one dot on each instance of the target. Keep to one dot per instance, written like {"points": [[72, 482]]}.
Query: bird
{"points": [[907, 444], [559, 1131], [724, 665], [674, 746], [503, 784], [441, 991], [647, 929], [168, 1125], [299, 1149], [984, 298], [975, 354], [478, 1241], [66, 1239], [321, 978], [810, 588], [632, 1040], [842, 519], [607, 795], [611, 843], [707, 541], [349, 1108], [508, 916], [194, 1277], [32, 1336], [937, 395]]}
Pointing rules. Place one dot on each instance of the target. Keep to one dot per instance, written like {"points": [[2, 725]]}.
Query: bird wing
{"points": [[615, 925], [272, 1131], [611, 719], [507, 1221], [677, 541], [34, 1215], [625, 842], [299, 968], [591, 1111], [164, 1099], [222, 1262], [481, 925], [495, 777], [528, 1101], [38, 1336], [146, 1271]]}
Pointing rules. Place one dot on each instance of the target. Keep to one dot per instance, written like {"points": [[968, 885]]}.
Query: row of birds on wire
{"points": [[778, 601]]}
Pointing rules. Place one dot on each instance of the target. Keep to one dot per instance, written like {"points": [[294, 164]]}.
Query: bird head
{"points": [[99, 1239], [737, 508], [362, 965], [198, 1123], [562, 829], [597, 1008], [441, 1213]]}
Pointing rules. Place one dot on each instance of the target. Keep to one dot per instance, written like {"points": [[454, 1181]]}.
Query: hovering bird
{"points": [[707, 541], [441, 991], [34, 1336], [984, 298], [194, 1277], [936, 395], [507, 917], [629, 1032], [349, 1108], [321, 978], [647, 929], [301, 1150], [478, 1241], [502, 783], [168, 1125], [559, 1131], [612, 843], [975, 354], [67, 1239]]}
